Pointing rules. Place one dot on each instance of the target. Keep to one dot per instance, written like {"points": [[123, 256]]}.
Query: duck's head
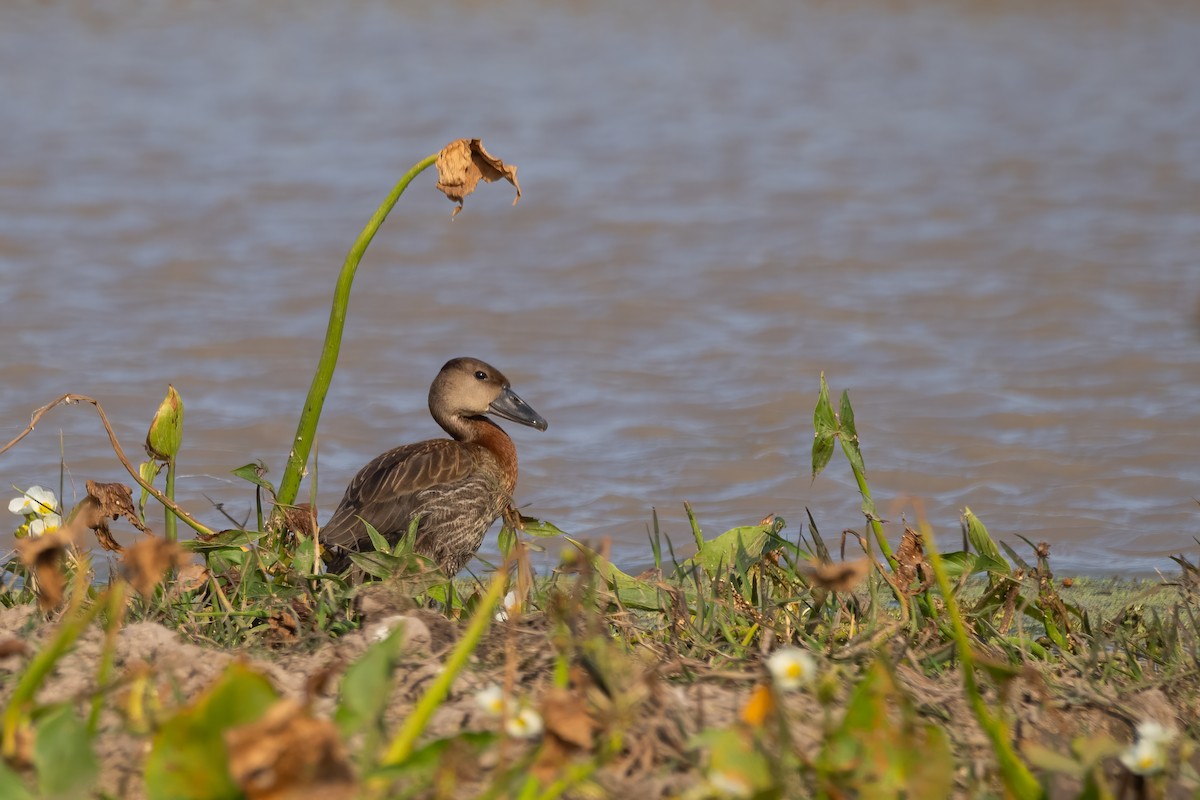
{"points": [[468, 387]]}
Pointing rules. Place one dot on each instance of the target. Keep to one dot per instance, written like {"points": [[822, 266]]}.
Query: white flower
{"points": [[35, 500], [730, 784], [511, 605], [527, 724], [1148, 754], [47, 524], [1145, 757], [1152, 731], [791, 668], [491, 700]]}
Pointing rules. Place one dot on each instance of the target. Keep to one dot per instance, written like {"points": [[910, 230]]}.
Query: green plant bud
{"points": [[166, 431]]}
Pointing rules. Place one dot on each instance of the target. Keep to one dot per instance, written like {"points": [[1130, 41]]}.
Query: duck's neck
{"points": [[483, 432]]}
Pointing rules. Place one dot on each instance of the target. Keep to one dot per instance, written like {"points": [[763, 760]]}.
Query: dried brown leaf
{"points": [[116, 500], [566, 716], [289, 755], [12, 647], [912, 563], [283, 627], [190, 577], [463, 163], [145, 563], [301, 519], [43, 555], [838, 577], [569, 729]]}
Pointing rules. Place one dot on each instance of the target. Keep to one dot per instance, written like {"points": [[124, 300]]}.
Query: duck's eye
{"points": [[480, 375]]}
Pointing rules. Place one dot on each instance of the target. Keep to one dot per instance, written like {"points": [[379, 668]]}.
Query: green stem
{"points": [[405, 740], [115, 600], [1017, 778], [289, 485], [872, 517], [171, 521], [75, 621]]}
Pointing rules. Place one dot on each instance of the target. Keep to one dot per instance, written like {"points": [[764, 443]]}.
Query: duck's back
{"points": [[457, 489]]}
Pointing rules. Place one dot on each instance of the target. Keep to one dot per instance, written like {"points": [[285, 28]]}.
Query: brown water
{"points": [[984, 223]]}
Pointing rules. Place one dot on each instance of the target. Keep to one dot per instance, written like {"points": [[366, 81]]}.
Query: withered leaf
{"points": [[838, 576], [12, 647], [463, 163], [290, 754], [912, 563], [110, 501], [565, 715], [301, 519], [191, 576], [569, 730], [145, 563], [43, 555]]}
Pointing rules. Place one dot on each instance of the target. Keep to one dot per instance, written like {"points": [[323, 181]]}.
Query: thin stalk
{"points": [[1017, 778], [170, 523], [405, 740], [115, 600], [289, 485], [873, 518]]}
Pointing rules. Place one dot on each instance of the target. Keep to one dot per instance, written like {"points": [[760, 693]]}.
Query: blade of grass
{"points": [[405, 740], [1016, 776]]}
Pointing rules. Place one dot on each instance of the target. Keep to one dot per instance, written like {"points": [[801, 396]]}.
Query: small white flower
{"points": [[526, 724], [511, 605], [47, 524], [1153, 731], [1148, 753], [791, 668], [1145, 757], [491, 700], [730, 784], [35, 500]]}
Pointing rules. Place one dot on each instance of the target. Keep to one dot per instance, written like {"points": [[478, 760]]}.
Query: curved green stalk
{"points": [[405, 740], [297, 462], [1017, 778]]}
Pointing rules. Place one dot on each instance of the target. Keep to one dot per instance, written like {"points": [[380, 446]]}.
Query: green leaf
{"points": [[822, 451], [305, 559], [11, 785], [377, 539], [506, 541], [254, 474], [630, 591], [1043, 758], [736, 549], [166, 429], [188, 758], [62, 753], [540, 528], [958, 564], [977, 535], [849, 438], [367, 685], [148, 470], [733, 758], [824, 430], [224, 542], [427, 762], [846, 421]]}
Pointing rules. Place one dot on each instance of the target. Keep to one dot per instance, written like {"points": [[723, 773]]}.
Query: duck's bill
{"points": [[509, 406]]}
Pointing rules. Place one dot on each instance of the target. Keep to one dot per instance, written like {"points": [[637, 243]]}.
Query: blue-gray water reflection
{"points": [[982, 222]]}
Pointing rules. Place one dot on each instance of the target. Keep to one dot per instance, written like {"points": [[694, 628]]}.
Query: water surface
{"points": [[983, 222]]}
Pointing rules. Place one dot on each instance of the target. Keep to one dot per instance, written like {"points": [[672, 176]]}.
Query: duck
{"points": [[455, 487]]}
